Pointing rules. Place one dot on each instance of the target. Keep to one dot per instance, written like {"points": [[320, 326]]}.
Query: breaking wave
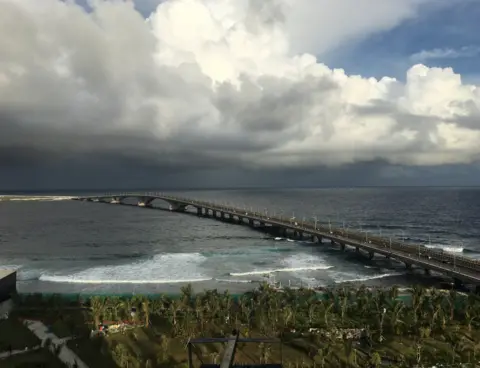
{"points": [[295, 263], [368, 278], [230, 281], [160, 269], [447, 248], [72, 280], [296, 269]]}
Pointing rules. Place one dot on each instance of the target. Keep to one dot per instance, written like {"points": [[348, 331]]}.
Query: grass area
{"points": [[15, 334], [38, 359], [93, 352]]}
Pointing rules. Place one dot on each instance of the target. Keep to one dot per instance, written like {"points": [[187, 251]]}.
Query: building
{"points": [[8, 284]]}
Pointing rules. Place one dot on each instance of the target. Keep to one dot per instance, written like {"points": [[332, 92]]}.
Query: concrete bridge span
{"points": [[461, 269]]}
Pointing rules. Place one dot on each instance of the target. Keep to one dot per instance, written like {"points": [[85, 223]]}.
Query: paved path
{"points": [[7, 354], [66, 355]]}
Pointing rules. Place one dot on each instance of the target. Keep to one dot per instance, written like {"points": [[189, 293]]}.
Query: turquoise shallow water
{"points": [[89, 248]]}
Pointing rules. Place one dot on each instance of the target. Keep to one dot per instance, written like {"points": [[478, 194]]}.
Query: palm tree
{"points": [[146, 311], [344, 305], [165, 345], [349, 352], [326, 314], [187, 296], [214, 356], [98, 306], [376, 360], [396, 308], [393, 292], [322, 355], [122, 355]]}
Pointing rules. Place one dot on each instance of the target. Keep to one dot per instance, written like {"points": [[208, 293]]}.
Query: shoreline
{"points": [[403, 292]]}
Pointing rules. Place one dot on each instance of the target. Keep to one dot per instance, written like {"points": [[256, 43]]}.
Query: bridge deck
{"points": [[463, 268]]}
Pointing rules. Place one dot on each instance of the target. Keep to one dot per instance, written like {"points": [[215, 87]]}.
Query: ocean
{"points": [[64, 246]]}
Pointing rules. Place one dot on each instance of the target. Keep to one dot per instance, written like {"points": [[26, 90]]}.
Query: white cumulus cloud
{"points": [[447, 53], [221, 81]]}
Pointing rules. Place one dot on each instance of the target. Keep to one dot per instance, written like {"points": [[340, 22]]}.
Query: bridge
{"points": [[463, 270]]}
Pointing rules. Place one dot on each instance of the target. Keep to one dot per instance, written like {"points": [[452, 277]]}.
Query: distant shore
{"points": [[5, 198]]}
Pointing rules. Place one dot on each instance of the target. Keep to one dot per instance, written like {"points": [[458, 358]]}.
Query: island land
{"points": [[341, 327]]}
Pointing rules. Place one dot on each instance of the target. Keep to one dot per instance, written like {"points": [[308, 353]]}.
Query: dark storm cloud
{"points": [[197, 90]]}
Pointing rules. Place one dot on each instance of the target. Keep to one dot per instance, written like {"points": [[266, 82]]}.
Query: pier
{"points": [[463, 270]]}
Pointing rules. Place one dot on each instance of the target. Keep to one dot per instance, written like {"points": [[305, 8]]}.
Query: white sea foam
{"points": [[235, 281], [161, 269], [262, 272], [278, 238], [367, 278], [446, 248], [294, 263], [71, 280]]}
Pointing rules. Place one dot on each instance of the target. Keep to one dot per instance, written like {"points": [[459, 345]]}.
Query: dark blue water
{"points": [[70, 246]]}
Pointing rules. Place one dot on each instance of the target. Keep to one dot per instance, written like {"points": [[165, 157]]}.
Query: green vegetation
{"points": [[14, 335], [345, 328]]}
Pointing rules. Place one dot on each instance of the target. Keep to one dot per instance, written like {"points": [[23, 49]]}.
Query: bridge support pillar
{"points": [[312, 238], [342, 246], [332, 242], [408, 266], [145, 202], [371, 255], [199, 211], [296, 234], [116, 200], [477, 289], [458, 283], [427, 271], [177, 207], [319, 239], [357, 249]]}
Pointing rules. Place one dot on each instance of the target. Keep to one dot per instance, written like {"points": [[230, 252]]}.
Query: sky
{"points": [[228, 93]]}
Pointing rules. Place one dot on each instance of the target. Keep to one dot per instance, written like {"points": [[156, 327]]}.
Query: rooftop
{"points": [[4, 272]]}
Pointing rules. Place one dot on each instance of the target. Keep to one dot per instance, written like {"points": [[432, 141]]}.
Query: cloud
{"points": [[464, 52], [212, 84]]}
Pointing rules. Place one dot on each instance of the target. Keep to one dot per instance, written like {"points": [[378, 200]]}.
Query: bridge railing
{"points": [[420, 250], [309, 226]]}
